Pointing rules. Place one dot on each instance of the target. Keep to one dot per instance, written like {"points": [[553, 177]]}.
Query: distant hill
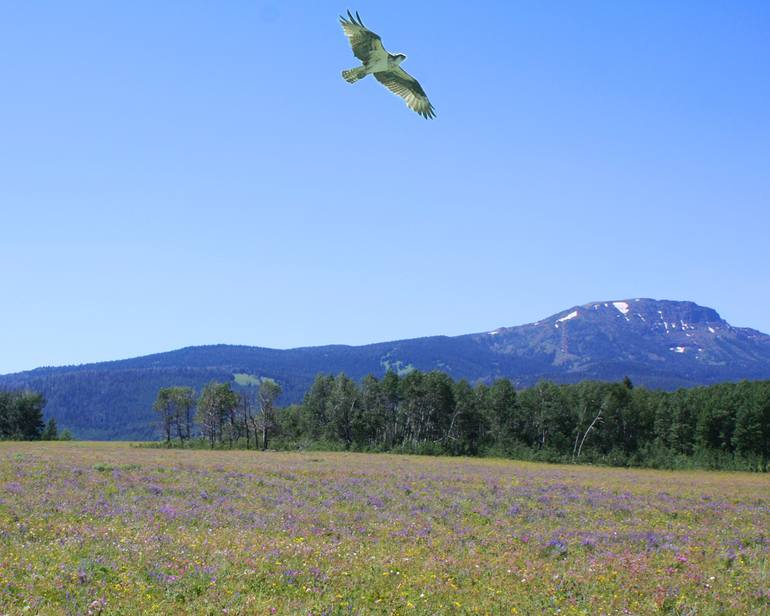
{"points": [[657, 343]]}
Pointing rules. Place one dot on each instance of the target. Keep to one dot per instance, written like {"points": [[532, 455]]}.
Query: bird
{"points": [[385, 66]]}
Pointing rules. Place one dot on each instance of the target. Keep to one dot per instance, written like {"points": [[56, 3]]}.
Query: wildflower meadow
{"points": [[107, 528]]}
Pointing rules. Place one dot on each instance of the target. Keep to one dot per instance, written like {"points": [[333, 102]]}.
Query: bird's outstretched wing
{"points": [[363, 41], [407, 87]]}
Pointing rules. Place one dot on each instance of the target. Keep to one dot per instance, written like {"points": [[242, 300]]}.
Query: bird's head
{"points": [[400, 57]]}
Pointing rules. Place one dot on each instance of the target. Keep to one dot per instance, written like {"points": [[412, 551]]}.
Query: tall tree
{"points": [[184, 404], [246, 413], [29, 416], [51, 432], [370, 429], [469, 421], [7, 411], [683, 420], [269, 391], [344, 410], [315, 406], [216, 407], [751, 438], [164, 406], [589, 401], [543, 404], [390, 387], [503, 413]]}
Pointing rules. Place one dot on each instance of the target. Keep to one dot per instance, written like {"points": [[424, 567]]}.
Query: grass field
{"points": [[88, 528]]}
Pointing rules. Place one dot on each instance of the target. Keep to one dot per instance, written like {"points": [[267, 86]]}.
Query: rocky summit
{"points": [[660, 343]]}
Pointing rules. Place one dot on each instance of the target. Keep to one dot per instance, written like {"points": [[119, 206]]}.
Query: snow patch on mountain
{"points": [[622, 307]]}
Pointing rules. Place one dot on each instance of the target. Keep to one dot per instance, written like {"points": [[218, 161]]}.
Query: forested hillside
{"points": [[657, 344]]}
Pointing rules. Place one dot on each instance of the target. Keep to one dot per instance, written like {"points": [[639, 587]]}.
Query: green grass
{"points": [[124, 530]]}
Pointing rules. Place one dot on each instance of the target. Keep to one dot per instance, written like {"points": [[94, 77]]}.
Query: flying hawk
{"points": [[385, 67]]}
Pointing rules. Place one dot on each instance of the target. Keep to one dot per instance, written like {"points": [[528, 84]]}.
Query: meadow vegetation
{"points": [[106, 528]]}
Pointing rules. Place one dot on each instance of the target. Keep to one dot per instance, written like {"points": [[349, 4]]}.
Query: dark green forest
{"points": [[21, 417], [725, 426]]}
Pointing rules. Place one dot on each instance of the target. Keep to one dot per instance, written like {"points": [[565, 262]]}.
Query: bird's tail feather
{"points": [[354, 74]]}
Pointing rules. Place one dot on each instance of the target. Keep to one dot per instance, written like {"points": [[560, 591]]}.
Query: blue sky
{"points": [[184, 173]]}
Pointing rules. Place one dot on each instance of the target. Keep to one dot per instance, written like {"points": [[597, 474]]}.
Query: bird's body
{"points": [[385, 66], [378, 64]]}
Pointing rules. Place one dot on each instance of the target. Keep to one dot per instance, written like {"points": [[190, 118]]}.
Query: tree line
{"points": [[219, 415], [21, 418], [720, 426]]}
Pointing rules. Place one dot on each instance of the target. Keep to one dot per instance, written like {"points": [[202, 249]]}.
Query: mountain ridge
{"points": [[657, 343]]}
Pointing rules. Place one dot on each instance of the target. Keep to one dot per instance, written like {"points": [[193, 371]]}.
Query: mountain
{"points": [[657, 343]]}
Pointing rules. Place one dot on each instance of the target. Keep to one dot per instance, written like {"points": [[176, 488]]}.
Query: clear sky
{"points": [[180, 173]]}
